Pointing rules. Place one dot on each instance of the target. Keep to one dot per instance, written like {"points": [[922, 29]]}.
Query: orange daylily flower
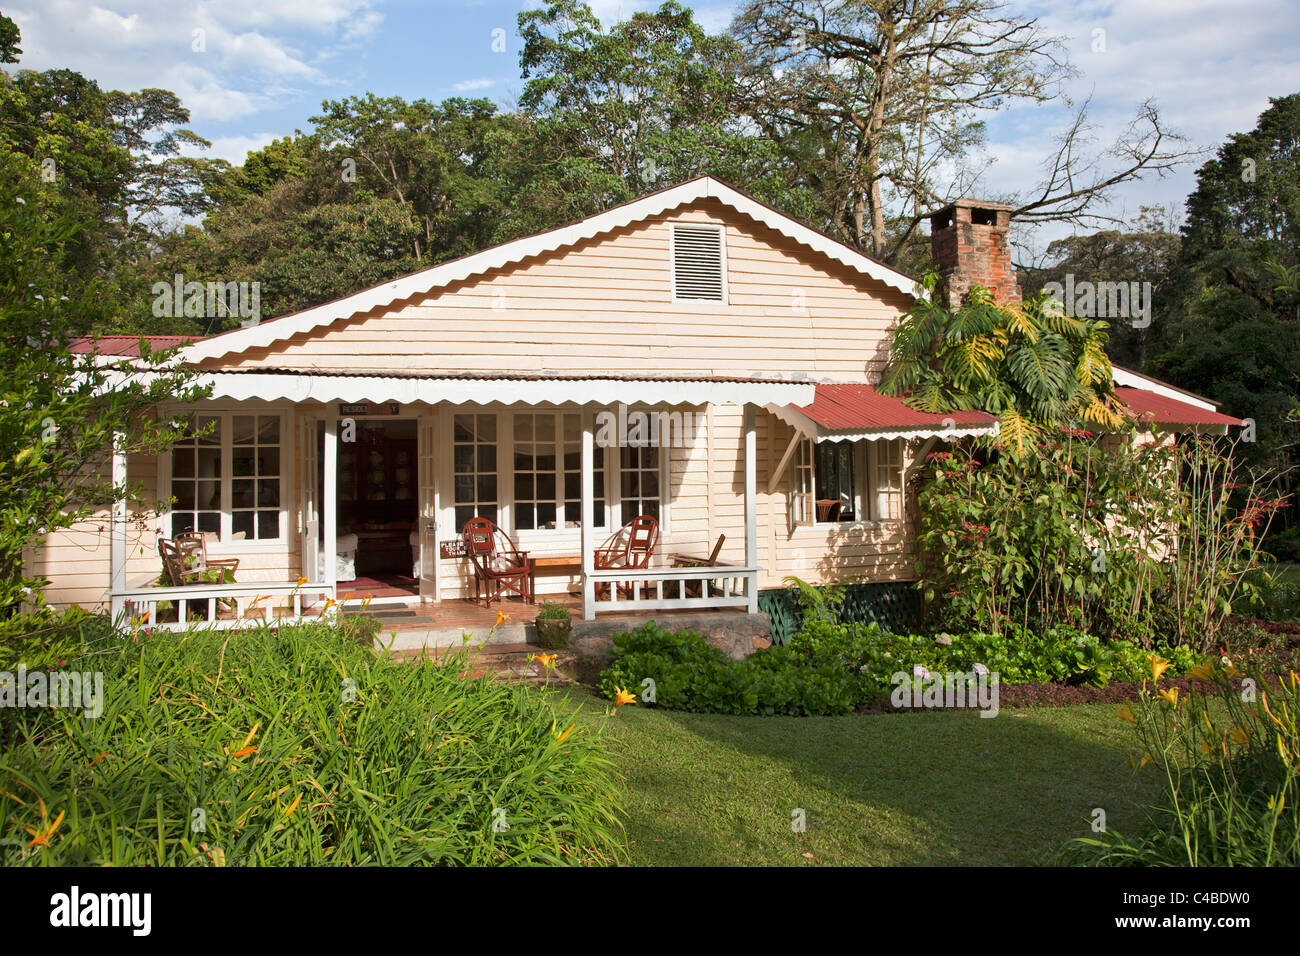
{"points": [[42, 837], [623, 697], [243, 753], [1158, 666], [560, 739], [1170, 696], [96, 760], [1202, 671], [1240, 734], [547, 660], [301, 580], [1125, 713], [293, 806], [501, 616]]}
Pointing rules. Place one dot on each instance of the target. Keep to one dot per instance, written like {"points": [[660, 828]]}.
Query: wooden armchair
{"points": [[499, 567], [631, 547], [185, 564], [194, 546], [694, 588]]}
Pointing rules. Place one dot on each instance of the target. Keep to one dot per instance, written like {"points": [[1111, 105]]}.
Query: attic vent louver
{"points": [[697, 263]]}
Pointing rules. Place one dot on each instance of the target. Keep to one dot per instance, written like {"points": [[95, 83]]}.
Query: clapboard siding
{"points": [[605, 304]]}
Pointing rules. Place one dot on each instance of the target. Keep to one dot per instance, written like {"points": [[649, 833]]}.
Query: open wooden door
{"points": [[309, 496], [427, 518]]}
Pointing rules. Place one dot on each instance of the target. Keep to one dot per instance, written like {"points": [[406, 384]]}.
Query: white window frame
{"points": [[549, 539], [888, 450], [672, 262], [288, 465], [867, 491]]}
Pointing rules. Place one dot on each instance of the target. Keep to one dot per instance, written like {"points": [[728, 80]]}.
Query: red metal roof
{"points": [[862, 408], [1169, 411], [129, 345]]}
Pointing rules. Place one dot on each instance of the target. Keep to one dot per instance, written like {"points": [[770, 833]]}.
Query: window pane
{"points": [[523, 487], [182, 521], [463, 429], [546, 486], [210, 521], [487, 488], [268, 462], [487, 428], [241, 524], [241, 494], [524, 517], [268, 524], [241, 429], [183, 492], [487, 457], [268, 430], [209, 495], [183, 462], [268, 493], [209, 462], [546, 514]]}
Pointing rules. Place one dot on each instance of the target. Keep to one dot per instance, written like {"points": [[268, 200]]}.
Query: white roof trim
{"points": [[805, 425], [1128, 379], [352, 389], [285, 327]]}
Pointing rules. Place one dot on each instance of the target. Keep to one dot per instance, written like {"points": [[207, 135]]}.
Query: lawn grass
{"points": [[922, 788]]}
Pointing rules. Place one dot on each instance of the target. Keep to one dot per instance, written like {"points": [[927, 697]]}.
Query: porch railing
{"points": [[138, 607], [653, 589]]}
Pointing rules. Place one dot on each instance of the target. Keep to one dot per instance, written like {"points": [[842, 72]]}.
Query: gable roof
{"points": [[128, 345], [1151, 406], [418, 283]]}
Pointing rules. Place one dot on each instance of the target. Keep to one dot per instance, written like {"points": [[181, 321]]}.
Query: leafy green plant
{"points": [[297, 746], [1228, 754], [552, 611]]}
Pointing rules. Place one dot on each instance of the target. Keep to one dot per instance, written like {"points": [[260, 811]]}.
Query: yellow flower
{"points": [[1240, 734], [1146, 759], [546, 660], [1125, 713], [501, 616], [560, 739], [1202, 671], [623, 697], [1206, 748], [1158, 666], [293, 806], [1170, 696], [301, 580]]}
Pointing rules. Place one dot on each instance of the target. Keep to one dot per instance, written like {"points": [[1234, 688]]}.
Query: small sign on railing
{"points": [[453, 549]]}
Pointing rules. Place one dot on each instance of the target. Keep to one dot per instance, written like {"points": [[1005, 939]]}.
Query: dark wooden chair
{"points": [[828, 509], [693, 588], [499, 567], [631, 548]]}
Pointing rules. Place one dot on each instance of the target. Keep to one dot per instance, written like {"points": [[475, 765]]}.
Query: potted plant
{"points": [[553, 626]]}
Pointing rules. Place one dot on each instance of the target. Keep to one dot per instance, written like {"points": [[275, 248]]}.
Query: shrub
{"points": [[299, 746], [1231, 775], [1113, 539], [690, 674]]}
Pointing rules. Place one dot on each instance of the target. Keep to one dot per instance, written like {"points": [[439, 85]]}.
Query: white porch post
{"points": [[588, 514], [751, 506], [117, 539], [330, 504]]}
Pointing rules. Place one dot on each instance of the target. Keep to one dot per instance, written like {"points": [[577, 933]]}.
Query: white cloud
{"points": [[235, 149], [468, 86], [252, 53]]}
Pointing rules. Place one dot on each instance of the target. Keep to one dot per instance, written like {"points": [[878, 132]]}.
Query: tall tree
{"points": [[880, 104], [1233, 333]]}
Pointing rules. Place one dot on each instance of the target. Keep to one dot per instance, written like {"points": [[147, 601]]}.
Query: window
{"points": [[698, 263], [639, 473], [836, 489], [226, 478], [474, 467], [887, 479], [255, 474], [196, 478], [548, 472], [834, 482]]}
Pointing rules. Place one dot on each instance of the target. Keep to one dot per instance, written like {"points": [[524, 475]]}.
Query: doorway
{"points": [[378, 488]]}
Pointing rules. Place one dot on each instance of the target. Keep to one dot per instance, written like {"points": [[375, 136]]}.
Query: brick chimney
{"points": [[968, 242]]}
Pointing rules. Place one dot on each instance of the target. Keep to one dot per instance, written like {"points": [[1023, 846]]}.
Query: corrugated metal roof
{"points": [[862, 408], [1170, 411], [128, 345]]}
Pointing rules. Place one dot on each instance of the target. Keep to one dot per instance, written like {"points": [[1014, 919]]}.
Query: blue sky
{"points": [[268, 64]]}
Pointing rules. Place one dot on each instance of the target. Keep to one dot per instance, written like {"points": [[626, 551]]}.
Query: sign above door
{"points": [[384, 408]]}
